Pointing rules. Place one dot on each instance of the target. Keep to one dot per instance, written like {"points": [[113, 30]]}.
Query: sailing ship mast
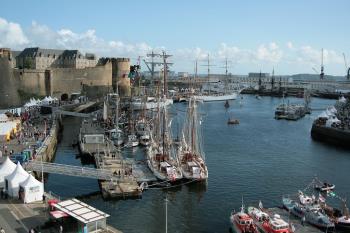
{"points": [[209, 74], [322, 67]]}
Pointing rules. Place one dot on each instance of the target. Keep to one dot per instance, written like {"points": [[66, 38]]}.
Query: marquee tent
{"points": [[31, 190], [13, 180], [6, 168]]}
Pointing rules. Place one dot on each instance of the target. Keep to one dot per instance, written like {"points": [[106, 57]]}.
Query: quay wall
{"points": [[48, 149]]}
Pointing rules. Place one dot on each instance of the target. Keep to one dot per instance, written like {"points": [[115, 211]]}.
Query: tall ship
{"points": [[191, 154], [162, 159], [217, 92], [333, 125]]}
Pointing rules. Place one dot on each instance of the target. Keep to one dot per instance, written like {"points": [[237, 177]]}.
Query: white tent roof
{"points": [[7, 167], [342, 99], [323, 115], [32, 102], [19, 174], [3, 117], [6, 127], [30, 182]]}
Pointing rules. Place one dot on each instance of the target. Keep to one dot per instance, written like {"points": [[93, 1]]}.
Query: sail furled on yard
{"points": [[192, 131]]}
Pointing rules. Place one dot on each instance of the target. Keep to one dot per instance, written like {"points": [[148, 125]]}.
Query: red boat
{"points": [[268, 224], [242, 223]]}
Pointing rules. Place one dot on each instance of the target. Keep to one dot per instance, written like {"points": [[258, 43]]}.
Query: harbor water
{"points": [[259, 159]]}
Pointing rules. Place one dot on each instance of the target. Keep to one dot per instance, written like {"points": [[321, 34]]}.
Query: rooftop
{"points": [[80, 211]]}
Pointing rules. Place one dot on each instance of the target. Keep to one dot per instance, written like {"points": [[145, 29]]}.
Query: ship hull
{"points": [[210, 98], [330, 135]]}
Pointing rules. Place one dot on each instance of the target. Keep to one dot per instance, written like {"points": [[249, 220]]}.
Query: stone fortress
{"points": [[57, 73]]}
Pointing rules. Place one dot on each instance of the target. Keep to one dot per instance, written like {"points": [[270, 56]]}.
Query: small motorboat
{"points": [[325, 187], [232, 121], [132, 141], [266, 224], [145, 140], [227, 104], [258, 97]]}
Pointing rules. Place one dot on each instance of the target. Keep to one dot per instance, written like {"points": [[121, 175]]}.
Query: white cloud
{"points": [[271, 53], [312, 56], [11, 34], [191, 54], [265, 55]]}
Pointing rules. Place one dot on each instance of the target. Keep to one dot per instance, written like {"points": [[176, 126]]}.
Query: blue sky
{"points": [[254, 35]]}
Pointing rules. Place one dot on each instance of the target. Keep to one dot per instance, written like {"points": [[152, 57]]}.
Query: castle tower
{"points": [[120, 67]]}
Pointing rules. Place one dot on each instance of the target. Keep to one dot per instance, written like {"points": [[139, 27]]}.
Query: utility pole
{"points": [[166, 213]]}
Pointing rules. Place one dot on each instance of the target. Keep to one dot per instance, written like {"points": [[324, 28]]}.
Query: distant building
{"points": [[37, 58], [257, 75], [182, 74]]}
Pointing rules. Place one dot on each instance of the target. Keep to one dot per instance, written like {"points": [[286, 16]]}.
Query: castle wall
{"points": [[30, 81], [70, 80], [8, 86], [54, 82]]}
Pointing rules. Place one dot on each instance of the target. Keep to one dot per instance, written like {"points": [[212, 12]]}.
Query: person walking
{"points": [[2, 230], [61, 229]]}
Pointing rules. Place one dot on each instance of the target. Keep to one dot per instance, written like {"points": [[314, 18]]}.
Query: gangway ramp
{"points": [[76, 114], [69, 170]]}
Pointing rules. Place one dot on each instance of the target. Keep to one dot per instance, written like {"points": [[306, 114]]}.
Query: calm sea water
{"points": [[260, 159]]}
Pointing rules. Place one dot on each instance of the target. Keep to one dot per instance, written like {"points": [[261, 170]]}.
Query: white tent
{"points": [[14, 179], [32, 102], [6, 168], [342, 99], [33, 190], [3, 118], [331, 121]]}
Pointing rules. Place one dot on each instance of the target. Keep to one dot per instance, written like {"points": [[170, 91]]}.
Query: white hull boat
{"points": [[132, 141], [218, 97], [139, 105]]}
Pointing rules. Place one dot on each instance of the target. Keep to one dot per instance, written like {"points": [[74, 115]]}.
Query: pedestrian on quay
{"points": [[2, 230], [61, 229]]}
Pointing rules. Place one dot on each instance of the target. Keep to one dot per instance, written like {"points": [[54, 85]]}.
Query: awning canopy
{"points": [[58, 214], [81, 211]]}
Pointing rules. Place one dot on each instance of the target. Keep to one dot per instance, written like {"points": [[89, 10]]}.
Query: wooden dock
{"points": [[126, 186]]}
